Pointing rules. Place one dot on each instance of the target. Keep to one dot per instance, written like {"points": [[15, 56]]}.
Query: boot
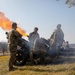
{"points": [[12, 69]]}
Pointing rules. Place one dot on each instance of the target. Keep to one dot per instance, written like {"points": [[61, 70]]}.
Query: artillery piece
{"points": [[39, 54]]}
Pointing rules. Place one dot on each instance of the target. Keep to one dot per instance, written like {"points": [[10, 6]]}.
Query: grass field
{"points": [[59, 69]]}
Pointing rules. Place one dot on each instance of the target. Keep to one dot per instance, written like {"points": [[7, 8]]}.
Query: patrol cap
{"points": [[36, 28], [14, 24], [59, 25]]}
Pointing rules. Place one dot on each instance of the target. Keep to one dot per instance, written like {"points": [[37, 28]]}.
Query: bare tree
{"points": [[69, 2], [3, 47]]}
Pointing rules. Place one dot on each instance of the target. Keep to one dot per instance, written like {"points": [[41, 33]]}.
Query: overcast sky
{"points": [[45, 14]]}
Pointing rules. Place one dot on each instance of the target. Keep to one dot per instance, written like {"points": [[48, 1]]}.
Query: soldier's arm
{"points": [[62, 34], [30, 35], [17, 34], [38, 36]]}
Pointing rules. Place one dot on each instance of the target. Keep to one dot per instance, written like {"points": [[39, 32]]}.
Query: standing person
{"points": [[67, 45], [13, 36], [57, 37], [33, 36]]}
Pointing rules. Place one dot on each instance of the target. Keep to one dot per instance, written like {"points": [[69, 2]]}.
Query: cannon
{"points": [[23, 54], [40, 52]]}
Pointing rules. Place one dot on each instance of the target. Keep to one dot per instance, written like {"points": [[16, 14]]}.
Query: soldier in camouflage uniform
{"points": [[57, 38], [33, 36], [13, 36], [59, 35]]}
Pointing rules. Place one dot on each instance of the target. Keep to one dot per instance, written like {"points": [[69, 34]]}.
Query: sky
{"points": [[44, 14]]}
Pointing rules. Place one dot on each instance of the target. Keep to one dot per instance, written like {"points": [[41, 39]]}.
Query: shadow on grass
{"points": [[42, 70]]}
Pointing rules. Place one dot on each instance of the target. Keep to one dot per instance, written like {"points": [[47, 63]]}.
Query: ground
{"points": [[63, 66]]}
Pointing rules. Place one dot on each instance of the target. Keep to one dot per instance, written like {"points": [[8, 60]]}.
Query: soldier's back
{"points": [[12, 40]]}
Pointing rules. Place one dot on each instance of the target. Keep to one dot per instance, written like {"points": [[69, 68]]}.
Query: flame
{"points": [[6, 24], [22, 32]]}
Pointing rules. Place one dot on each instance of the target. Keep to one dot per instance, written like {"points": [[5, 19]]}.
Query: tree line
{"points": [[3, 47]]}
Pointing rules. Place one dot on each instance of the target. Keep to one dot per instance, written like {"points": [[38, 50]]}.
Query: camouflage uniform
{"points": [[56, 40], [57, 37], [13, 36], [32, 37]]}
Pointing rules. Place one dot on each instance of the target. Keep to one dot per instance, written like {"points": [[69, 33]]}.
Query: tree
{"points": [[3, 47], [70, 2]]}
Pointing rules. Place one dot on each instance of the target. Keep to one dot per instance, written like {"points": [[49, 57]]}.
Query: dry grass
{"points": [[60, 69]]}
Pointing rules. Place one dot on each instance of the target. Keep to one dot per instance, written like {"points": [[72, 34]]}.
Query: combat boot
{"points": [[12, 69]]}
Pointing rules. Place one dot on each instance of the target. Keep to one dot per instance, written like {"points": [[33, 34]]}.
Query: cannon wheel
{"points": [[21, 58]]}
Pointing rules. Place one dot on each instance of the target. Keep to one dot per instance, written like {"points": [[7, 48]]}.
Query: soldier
{"points": [[13, 36], [33, 36], [57, 36], [67, 45]]}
